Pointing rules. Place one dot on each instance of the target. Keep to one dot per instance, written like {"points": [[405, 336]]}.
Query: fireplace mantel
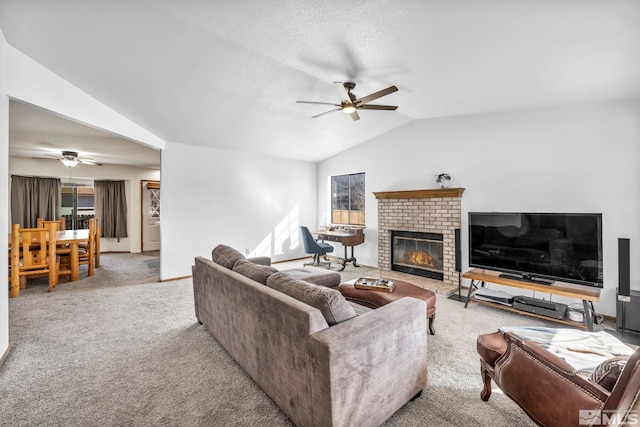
{"points": [[420, 194]]}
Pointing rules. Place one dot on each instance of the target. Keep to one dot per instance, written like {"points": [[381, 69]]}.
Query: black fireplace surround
{"points": [[417, 253]]}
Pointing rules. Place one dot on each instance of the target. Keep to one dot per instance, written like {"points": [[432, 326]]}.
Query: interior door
{"points": [[150, 216]]}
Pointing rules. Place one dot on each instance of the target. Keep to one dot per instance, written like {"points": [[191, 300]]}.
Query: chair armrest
{"points": [[545, 386], [360, 361]]}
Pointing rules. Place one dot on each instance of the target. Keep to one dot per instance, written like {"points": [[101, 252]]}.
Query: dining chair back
{"points": [[62, 223], [98, 235], [33, 253], [88, 256]]}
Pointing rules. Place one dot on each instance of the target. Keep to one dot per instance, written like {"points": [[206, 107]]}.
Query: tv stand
{"points": [[526, 278], [588, 295]]}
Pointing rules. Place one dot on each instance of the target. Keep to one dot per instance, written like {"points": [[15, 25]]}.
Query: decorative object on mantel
{"points": [[443, 180]]}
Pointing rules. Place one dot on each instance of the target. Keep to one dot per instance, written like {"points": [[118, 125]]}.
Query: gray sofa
{"points": [[357, 372]]}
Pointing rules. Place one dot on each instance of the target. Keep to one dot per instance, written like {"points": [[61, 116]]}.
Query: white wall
{"points": [[131, 176], [4, 194], [567, 159], [243, 200]]}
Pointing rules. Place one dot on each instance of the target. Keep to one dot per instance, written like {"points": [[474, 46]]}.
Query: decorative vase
{"points": [[443, 180]]}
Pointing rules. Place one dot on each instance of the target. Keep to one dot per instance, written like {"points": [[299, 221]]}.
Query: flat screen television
{"points": [[538, 247]]}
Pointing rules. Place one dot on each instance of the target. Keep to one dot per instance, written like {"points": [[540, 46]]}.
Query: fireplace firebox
{"points": [[417, 253]]}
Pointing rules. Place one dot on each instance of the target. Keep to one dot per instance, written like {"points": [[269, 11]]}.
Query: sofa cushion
{"points": [[330, 302], [607, 373], [225, 256], [253, 271]]}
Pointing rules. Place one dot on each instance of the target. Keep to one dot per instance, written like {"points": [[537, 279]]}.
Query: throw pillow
{"points": [[607, 373], [253, 271], [225, 256], [330, 302]]}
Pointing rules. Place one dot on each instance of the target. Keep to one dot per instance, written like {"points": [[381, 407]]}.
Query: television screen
{"points": [[538, 246]]}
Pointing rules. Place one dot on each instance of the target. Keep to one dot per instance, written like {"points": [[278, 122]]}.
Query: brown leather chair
{"points": [[550, 391]]}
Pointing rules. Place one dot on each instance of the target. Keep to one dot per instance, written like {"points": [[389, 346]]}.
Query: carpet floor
{"points": [[121, 348]]}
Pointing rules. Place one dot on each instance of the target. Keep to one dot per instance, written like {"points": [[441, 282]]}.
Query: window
{"points": [[154, 202], [347, 199]]}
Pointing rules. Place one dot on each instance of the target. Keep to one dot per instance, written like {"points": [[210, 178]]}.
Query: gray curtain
{"points": [[111, 207], [34, 197]]}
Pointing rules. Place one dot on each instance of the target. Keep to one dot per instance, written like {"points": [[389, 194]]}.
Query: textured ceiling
{"points": [[227, 74]]}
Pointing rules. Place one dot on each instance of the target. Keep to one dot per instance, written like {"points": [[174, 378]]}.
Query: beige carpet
{"points": [[120, 348]]}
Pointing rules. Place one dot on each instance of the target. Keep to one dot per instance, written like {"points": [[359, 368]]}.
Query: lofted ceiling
{"points": [[227, 74]]}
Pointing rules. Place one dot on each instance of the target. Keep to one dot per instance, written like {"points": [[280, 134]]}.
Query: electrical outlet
{"points": [[247, 251]]}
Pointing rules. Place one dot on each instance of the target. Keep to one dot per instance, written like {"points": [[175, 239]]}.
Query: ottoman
{"points": [[374, 299]]}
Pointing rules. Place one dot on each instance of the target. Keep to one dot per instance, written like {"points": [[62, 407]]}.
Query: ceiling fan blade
{"points": [[377, 107], [326, 112], [354, 116], [342, 91], [89, 162], [376, 95], [320, 103]]}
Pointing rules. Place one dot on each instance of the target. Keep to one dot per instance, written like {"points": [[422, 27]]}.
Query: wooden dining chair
{"points": [[33, 253], [88, 255], [98, 235], [63, 249], [62, 223]]}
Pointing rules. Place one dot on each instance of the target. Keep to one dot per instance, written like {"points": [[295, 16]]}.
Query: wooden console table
{"points": [[346, 238], [586, 294]]}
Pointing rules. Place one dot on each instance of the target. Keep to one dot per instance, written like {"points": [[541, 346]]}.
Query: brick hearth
{"points": [[432, 211]]}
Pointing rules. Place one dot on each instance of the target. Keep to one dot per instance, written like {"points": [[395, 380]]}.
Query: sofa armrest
{"points": [[545, 386], [366, 368], [262, 260]]}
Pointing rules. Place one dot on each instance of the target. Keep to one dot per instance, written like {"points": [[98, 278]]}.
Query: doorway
{"points": [[150, 215], [77, 204]]}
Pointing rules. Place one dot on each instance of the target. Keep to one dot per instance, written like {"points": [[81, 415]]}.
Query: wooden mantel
{"points": [[420, 194]]}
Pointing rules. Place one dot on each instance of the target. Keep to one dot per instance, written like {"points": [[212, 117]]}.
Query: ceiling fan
{"points": [[349, 103], [70, 159]]}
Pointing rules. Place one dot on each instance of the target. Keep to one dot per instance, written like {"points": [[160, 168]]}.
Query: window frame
{"points": [[354, 215]]}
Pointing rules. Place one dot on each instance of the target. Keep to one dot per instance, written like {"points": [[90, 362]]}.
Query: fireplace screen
{"points": [[418, 253]]}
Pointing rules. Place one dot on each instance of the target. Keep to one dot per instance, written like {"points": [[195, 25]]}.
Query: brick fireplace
{"points": [[432, 212]]}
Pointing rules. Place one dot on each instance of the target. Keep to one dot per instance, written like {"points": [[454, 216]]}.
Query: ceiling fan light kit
{"points": [[69, 163], [350, 103], [69, 158]]}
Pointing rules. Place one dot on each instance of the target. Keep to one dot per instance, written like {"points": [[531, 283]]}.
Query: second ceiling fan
{"points": [[350, 104]]}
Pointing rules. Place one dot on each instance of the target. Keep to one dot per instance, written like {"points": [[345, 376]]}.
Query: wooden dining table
{"points": [[73, 238]]}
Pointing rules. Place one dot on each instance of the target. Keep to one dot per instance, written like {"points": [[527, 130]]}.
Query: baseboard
{"points": [[175, 278]]}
